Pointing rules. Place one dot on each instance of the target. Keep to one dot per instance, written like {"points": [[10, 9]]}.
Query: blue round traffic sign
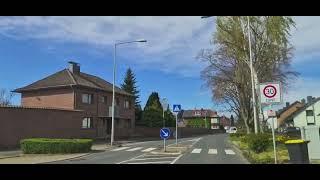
{"points": [[164, 133]]}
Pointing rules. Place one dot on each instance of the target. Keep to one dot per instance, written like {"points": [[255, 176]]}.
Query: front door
{"points": [[108, 126]]}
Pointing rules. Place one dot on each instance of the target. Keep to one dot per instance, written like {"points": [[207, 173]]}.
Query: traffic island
{"points": [[171, 150]]}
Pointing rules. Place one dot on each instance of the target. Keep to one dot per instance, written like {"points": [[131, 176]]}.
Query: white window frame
{"points": [[87, 98], [197, 113], [87, 123], [126, 104]]}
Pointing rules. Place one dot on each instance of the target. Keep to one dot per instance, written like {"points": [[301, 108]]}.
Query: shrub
{"points": [[258, 142], [55, 146]]}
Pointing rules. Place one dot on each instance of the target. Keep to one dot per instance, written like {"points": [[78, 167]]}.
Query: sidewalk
{"points": [[17, 157]]}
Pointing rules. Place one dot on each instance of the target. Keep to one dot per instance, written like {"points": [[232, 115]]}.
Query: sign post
{"points": [[164, 134], [177, 109], [270, 93]]}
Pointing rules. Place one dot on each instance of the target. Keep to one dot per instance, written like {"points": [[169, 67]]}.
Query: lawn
{"points": [[266, 157]]}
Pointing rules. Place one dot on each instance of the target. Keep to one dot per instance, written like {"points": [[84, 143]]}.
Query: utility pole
{"points": [[252, 82]]}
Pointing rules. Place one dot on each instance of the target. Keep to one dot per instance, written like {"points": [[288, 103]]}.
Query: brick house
{"points": [[208, 114], [224, 121], [74, 91]]}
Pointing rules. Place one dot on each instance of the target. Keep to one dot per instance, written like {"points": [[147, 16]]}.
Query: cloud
{"points": [[173, 42]]}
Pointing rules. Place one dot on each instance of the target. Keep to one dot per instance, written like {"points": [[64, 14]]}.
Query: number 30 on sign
{"points": [[270, 93]]}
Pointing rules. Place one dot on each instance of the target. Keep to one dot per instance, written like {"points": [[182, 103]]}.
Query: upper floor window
{"points": [[87, 123], [197, 113], [117, 101], [87, 98], [103, 99], [127, 104], [309, 112]]}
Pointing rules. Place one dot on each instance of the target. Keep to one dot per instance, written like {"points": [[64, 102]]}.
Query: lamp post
{"points": [[252, 77], [114, 78], [164, 104]]}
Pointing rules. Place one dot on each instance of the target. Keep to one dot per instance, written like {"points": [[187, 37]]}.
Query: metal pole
{"points": [[176, 129], [252, 82], [163, 117], [113, 93], [273, 138], [164, 145], [205, 119]]}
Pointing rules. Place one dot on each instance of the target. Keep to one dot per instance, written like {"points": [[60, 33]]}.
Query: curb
{"points": [[87, 154], [239, 152], [64, 159], [12, 156]]}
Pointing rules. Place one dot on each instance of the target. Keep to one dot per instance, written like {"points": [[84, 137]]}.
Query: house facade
{"points": [[283, 115], [205, 114], [75, 92]]}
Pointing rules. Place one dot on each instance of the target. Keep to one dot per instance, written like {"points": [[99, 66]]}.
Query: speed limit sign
{"points": [[270, 93]]}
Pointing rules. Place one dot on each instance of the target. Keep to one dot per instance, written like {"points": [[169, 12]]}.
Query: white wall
{"points": [[301, 119]]}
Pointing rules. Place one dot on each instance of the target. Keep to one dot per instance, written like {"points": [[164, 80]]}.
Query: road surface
{"points": [[209, 149]]}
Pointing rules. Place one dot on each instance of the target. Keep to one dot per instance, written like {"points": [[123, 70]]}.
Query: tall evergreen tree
{"points": [[170, 120], [152, 113], [129, 85]]}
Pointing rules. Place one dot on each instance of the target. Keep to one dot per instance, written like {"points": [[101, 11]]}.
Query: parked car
{"points": [[232, 130]]}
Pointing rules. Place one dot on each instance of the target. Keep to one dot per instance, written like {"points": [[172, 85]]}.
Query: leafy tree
{"points": [[129, 85], [228, 74], [170, 120], [152, 114]]}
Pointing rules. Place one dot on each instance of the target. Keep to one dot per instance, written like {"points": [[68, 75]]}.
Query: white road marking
{"points": [[134, 149], [130, 159], [196, 151], [229, 151], [174, 161], [148, 150], [212, 151], [119, 149], [155, 158], [155, 162]]}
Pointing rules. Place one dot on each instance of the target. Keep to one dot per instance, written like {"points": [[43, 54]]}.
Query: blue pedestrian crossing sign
{"points": [[164, 133], [176, 108]]}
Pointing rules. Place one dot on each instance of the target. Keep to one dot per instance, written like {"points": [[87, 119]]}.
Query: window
{"points": [[87, 98], [197, 113], [309, 112], [127, 104], [87, 123], [103, 99], [117, 101]]}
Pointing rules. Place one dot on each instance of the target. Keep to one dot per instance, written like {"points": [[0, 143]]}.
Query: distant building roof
{"points": [[66, 78], [293, 115], [198, 113]]}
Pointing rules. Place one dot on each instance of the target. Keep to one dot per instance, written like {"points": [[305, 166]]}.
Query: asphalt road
{"points": [[210, 149]]}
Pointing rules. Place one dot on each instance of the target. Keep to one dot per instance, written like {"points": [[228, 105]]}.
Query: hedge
{"points": [[55, 146]]}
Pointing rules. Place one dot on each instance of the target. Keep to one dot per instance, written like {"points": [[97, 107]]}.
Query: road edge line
{"points": [[239, 152]]}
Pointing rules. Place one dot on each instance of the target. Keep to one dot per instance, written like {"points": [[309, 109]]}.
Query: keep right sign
{"points": [[270, 93]]}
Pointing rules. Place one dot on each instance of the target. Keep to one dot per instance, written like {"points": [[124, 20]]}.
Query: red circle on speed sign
{"points": [[270, 91]]}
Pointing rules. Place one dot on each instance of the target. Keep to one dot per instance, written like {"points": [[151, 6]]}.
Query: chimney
{"points": [[303, 101], [74, 67], [309, 99], [287, 104]]}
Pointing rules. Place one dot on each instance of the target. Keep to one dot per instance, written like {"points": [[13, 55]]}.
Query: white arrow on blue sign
{"points": [[164, 133], [176, 108]]}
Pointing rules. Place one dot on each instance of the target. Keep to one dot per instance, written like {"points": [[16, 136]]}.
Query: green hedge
{"points": [[55, 146], [199, 123]]}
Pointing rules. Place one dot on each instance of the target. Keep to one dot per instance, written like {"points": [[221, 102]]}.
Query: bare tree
{"points": [[5, 97], [228, 74]]}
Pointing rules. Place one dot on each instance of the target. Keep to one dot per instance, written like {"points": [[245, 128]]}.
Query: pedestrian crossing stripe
{"points": [[229, 151], [212, 151], [196, 151], [135, 149]]}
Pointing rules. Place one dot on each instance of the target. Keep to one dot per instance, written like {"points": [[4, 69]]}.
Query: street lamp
{"points": [[114, 78], [164, 104], [252, 77]]}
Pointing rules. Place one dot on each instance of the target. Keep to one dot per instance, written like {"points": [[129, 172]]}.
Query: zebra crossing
{"points": [[193, 151]]}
